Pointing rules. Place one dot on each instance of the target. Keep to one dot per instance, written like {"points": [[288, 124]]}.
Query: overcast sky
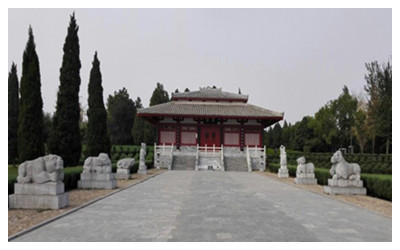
{"points": [[290, 60]]}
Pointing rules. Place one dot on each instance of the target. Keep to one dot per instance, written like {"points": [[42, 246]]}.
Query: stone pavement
{"points": [[216, 206]]}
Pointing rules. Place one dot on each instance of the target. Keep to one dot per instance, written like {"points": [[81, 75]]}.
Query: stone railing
{"points": [[207, 153], [222, 158], [163, 156], [259, 156], [249, 167]]}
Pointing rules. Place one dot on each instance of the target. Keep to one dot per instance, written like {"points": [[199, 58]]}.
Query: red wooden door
{"points": [[210, 135]]}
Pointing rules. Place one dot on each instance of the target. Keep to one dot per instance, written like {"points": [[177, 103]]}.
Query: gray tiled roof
{"points": [[209, 93], [207, 109]]}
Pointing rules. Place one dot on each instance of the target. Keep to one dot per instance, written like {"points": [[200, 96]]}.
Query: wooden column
{"points": [[242, 121], [178, 131], [198, 120], [221, 123]]}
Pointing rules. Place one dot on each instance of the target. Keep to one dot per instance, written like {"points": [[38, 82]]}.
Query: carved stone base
{"points": [[123, 174], [342, 186], [345, 190], [29, 201], [345, 183], [97, 181], [283, 173], [97, 177], [48, 188], [93, 184], [305, 181], [304, 175], [142, 169]]}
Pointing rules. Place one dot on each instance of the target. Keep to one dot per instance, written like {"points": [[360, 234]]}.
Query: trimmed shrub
{"points": [[379, 186], [71, 177]]}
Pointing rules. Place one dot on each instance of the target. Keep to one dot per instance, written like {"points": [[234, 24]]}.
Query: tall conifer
{"points": [[30, 117], [65, 139], [13, 106], [138, 125], [97, 136]]}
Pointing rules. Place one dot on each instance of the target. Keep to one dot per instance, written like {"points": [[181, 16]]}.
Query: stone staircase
{"points": [[238, 163], [183, 162]]}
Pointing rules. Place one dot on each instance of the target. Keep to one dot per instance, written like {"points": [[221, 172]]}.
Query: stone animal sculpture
{"points": [[341, 169], [97, 164], [303, 167], [44, 169], [126, 163]]}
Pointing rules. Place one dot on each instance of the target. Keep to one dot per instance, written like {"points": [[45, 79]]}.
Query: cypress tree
{"points": [[30, 117], [13, 105], [159, 96], [121, 116], [98, 140], [65, 139], [138, 125]]}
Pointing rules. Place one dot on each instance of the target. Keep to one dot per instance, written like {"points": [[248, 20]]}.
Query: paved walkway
{"points": [[216, 206]]}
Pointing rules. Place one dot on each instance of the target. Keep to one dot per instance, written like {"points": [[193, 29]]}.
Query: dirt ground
{"points": [[21, 219], [380, 206]]}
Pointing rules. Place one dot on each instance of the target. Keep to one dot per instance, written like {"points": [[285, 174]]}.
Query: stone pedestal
{"points": [[305, 179], [123, 174], [342, 186], [48, 195], [283, 173], [97, 181], [142, 169]]}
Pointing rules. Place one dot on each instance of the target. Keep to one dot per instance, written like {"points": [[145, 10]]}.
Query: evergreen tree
{"points": [[65, 139], [121, 115], [276, 136], [13, 106], [385, 107], [285, 134], [47, 126], [379, 90], [345, 108], [97, 135], [187, 90], [159, 96], [138, 126], [30, 117]]}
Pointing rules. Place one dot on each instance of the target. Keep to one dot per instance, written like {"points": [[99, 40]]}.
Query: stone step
{"points": [[183, 162], [235, 163]]}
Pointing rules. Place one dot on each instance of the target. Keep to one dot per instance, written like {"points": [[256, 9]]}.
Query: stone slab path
{"points": [[216, 206]]}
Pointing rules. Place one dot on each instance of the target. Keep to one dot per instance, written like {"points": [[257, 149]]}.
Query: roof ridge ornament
{"points": [[210, 88]]}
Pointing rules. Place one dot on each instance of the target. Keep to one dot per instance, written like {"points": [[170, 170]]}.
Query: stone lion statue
{"points": [[97, 164], [341, 169], [44, 169], [126, 163], [303, 167], [283, 155]]}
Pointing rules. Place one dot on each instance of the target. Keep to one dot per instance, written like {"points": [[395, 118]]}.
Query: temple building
{"points": [[209, 118]]}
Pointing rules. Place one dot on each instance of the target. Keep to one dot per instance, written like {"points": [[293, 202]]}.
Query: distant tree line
{"points": [[346, 121]]}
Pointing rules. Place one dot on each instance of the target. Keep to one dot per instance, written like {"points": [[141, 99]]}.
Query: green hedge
{"points": [[377, 185], [369, 163], [123, 151]]}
